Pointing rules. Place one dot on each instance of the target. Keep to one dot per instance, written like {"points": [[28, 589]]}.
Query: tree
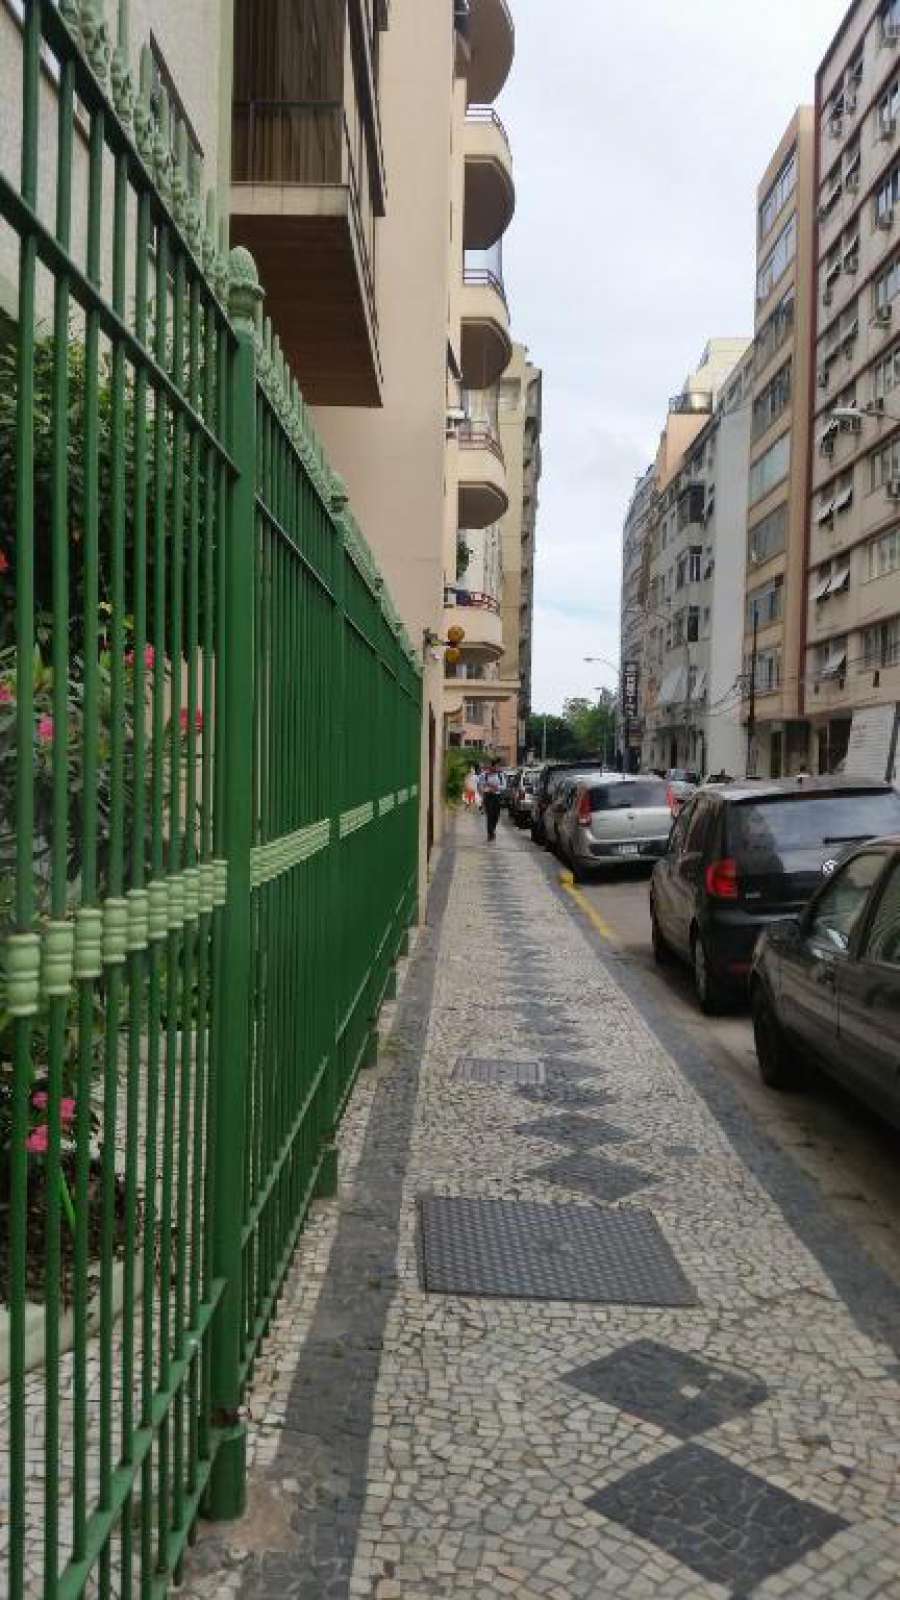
{"points": [[586, 728]]}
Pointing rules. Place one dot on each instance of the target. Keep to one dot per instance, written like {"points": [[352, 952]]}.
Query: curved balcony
{"points": [[486, 348], [483, 497], [492, 45], [479, 614], [490, 194]]}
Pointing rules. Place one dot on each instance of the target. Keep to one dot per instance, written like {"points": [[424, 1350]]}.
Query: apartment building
{"points": [[775, 615], [481, 482], [520, 436], [676, 582], [636, 552], [851, 655]]}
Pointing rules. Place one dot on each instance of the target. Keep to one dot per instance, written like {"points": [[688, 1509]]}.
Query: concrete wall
{"points": [[393, 459]]}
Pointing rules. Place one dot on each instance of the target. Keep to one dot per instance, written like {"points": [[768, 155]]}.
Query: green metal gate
{"points": [[209, 753]]}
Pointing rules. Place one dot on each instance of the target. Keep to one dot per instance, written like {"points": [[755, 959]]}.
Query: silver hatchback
{"points": [[611, 820]]}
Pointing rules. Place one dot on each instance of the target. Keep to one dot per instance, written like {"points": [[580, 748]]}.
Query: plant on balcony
{"points": [[463, 557]]}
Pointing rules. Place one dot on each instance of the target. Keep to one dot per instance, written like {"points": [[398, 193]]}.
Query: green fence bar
{"points": [[210, 726]]}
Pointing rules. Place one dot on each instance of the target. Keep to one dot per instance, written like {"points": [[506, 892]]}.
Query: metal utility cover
{"points": [[494, 1070], [521, 1250]]}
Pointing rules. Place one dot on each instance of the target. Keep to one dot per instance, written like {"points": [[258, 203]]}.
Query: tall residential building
{"points": [[852, 641], [372, 181], [636, 552], [479, 488], [779, 455], [520, 435], [676, 583]]}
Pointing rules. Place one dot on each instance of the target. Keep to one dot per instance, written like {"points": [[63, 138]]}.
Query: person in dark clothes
{"points": [[489, 784]]}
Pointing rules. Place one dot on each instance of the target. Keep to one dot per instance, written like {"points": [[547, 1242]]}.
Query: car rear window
{"points": [[774, 827], [623, 796]]}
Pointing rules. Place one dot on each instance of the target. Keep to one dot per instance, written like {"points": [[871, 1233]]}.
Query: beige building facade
{"points": [[775, 611], [852, 616], [520, 431]]}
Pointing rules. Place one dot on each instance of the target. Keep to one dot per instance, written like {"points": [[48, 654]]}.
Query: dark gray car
{"points": [[828, 982]]}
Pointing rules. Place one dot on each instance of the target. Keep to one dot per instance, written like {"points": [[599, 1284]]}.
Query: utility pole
{"points": [[751, 715]]}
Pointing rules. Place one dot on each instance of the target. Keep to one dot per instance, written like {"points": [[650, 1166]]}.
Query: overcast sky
{"points": [[639, 133]]}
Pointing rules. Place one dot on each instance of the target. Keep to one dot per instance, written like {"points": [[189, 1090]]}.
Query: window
{"points": [[767, 538], [890, 18], [767, 602], [693, 624], [882, 942], [768, 671], [841, 332], [691, 503], [881, 644], [884, 464], [695, 557], [648, 792], [474, 712], [770, 468], [776, 328], [830, 659], [768, 406], [777, 261], [889, 104], [840, 907], [886, 374], [886, 285], [888, 192], [884, 554], [781, 190], [678, 629], [831, 190]]}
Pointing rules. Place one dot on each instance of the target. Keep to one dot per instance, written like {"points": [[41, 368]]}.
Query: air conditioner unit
{"points": [[827, 297], [835, 127], [885, 219], [823, 211], [851, 262], [890, 32], [849, 101], [824, 377], [875, 407], [883, 315], [892, 488], [887, 125], [851, 182], [826, 444], [850, 424]]}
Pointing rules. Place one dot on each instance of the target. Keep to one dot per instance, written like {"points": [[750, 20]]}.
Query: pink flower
{"points": [[67, 1110], [7, 698], [198, 720], [36, 1143], [4, 562], [149, 658], [45, 730], [40, 1099]]}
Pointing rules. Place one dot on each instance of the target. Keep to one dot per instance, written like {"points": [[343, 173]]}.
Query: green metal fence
{"points": [[209, 750]]}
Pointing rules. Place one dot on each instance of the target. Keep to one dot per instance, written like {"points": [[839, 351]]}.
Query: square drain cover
{"points": [[584, 1133], [494, 1070], [521, 1250], [682, 1394], [593, 1175], [729, 1525]]}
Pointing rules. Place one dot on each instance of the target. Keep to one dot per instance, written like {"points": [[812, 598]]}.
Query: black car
{"points": [[550, 778], [743, 855], [826, 984]]}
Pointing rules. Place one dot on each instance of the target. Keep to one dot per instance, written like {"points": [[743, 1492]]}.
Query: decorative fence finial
{"points": [[245, 292], [120, 70], [96, 38]]}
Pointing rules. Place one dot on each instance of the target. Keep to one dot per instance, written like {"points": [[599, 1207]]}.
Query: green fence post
{"points": [[227, 1487]]}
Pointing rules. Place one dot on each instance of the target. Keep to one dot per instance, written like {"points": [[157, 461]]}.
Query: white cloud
{"points": [[639, 135]]}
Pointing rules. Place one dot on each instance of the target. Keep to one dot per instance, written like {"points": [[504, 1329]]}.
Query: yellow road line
{"points": [[581, 900]]}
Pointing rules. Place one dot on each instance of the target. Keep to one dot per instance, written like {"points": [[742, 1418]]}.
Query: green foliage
{"points": [[586, 728]]}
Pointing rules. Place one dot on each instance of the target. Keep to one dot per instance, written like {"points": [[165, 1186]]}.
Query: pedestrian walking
{"points": [[470, 789], [490, 796]]}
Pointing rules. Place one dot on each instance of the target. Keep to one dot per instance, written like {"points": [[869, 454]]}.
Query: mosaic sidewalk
{"points": [[573, 1327]]}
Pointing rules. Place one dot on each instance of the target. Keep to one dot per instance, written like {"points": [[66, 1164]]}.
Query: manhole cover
{"points": [[570, 1129], [729, 1525], [595, 1176], [682, 1394], [494, 1070], [522, 1250]]}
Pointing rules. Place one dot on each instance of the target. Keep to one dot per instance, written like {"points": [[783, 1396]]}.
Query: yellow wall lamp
{"points": [[450, 645]]}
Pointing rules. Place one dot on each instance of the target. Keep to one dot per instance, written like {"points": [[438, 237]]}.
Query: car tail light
{"points": [[584, 809], [722, 880], [670, 798]]}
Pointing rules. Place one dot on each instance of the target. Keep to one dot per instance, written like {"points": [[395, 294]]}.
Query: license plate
{"points": [[628, 850]]}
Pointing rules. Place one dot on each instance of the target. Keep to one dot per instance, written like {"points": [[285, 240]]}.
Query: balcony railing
{"points": [[488, 114], [454, 596], [483, 278], [480, 436], [307, 143]]}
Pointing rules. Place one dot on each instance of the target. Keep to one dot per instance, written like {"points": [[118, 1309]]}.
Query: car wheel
{"points": [[662, 955], [776, 1068], [707, 987]]}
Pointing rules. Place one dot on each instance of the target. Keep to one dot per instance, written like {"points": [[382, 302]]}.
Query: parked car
{"points": [[681, 783], [826, 984], [742, 856], [611, 819], [558, 803], [521, 799], [508, 778], [552, 775]]}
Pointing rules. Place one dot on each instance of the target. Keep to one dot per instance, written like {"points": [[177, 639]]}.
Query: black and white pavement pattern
{"points": [[715, 1413]]}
